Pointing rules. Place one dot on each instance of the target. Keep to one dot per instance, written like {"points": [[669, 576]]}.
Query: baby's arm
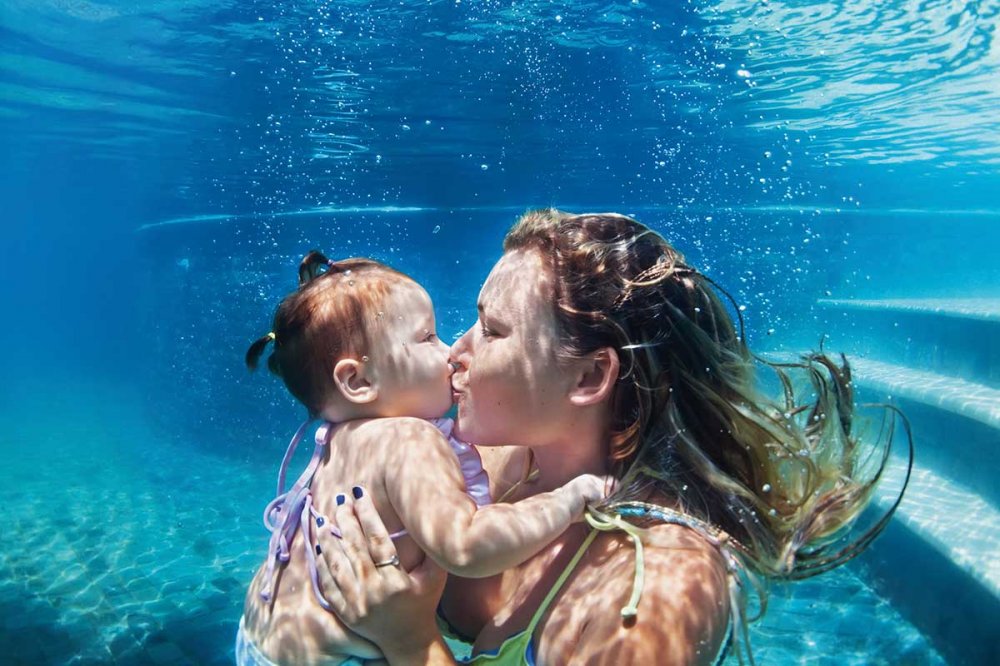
{"points": [[425, 486]]}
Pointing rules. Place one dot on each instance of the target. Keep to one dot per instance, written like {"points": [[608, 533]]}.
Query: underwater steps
{"points": [[984, 309], [939, 361]]}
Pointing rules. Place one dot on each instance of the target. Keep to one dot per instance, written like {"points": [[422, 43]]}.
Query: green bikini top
{"points": [[518, 650]]}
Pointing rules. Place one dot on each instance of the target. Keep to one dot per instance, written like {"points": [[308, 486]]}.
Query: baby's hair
{"points": [[326, 319]]}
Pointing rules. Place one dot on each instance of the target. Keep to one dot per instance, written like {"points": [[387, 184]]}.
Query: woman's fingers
{"points": [[352, 541], [337, 581], [361, 579], [380, 546]]}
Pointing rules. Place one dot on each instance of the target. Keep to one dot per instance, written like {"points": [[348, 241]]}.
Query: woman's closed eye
{"points": [[485, 331], [430, 336]]}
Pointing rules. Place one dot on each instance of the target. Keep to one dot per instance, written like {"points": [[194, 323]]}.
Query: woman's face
{"points": [[508, 385]]}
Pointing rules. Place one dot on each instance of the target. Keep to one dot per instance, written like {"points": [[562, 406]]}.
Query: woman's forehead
{"points": [[519, 281]]}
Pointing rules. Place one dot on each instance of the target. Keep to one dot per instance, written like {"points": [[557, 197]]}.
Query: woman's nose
{"points": [[460, 352]]}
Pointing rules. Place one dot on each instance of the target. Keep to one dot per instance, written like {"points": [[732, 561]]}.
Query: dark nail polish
{"points": [[319, 521], [357, 492], [319, 551], [341, 499]]}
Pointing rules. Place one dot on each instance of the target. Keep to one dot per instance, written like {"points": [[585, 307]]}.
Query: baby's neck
{"points": [[341, 410], [340, 413]]}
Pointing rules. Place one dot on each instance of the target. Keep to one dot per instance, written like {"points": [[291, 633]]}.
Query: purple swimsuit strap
{"points": [[288, 510], [283, 514]]}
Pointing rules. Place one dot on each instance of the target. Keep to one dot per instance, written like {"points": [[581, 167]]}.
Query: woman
{"points": [[598, 349]]}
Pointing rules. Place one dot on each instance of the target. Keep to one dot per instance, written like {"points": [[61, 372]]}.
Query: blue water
{"points": [[165, 164]]}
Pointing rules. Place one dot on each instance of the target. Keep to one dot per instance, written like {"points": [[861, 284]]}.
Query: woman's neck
{"points": [[560, 462]]}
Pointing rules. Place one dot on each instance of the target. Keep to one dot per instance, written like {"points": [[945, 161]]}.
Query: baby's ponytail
{"points": [[257, 350], [314, 265], [323, 321]]}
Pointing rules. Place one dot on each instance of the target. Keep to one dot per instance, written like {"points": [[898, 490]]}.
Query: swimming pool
{"points": [[166, 165]]}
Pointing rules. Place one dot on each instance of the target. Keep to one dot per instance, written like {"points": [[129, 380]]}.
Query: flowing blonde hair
{"points": [[784, 478]]}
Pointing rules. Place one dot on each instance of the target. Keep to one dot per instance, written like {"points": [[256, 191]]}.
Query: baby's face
{"points": [[410, 362]]}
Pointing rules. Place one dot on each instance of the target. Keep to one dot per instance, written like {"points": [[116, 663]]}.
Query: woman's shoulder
{"points": [[683, 609]]}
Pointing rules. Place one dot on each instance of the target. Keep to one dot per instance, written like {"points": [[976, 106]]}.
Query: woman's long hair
{"points": [[784, 477]]}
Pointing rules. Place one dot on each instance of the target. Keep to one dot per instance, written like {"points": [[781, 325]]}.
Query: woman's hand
{"points": [[370, 592]]}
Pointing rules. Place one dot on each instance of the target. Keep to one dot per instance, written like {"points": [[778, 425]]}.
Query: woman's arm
{"points": [[427, 491]]}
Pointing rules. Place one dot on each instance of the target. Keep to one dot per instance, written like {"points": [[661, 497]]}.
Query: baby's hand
{"points": [[592, 488]]}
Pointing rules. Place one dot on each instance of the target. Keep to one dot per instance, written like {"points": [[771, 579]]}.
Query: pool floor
{"points": [[125, 548]]}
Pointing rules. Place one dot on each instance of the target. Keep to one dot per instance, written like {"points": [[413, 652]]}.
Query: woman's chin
{"points": [[459, 431]]}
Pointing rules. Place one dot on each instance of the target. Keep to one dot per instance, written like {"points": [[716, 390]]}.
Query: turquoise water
{"points": [[138, 551], [165, 165]]}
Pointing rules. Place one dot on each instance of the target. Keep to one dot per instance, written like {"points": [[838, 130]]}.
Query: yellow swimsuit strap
{"points": [[613, 520], [605, 523], [554, 590], [608, 522]]}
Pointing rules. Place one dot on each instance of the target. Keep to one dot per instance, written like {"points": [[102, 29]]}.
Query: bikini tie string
{"points": [[605, 524], [284, 514]]}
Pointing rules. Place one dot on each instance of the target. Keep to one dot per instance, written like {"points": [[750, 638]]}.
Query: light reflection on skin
{"points": [[512, 386]]}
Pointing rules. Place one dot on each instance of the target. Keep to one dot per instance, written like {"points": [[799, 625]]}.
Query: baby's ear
{"points": [[353, 382]]}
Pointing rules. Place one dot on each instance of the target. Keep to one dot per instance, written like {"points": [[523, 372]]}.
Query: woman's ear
{"points": [[354, 382], [596, 377]]}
